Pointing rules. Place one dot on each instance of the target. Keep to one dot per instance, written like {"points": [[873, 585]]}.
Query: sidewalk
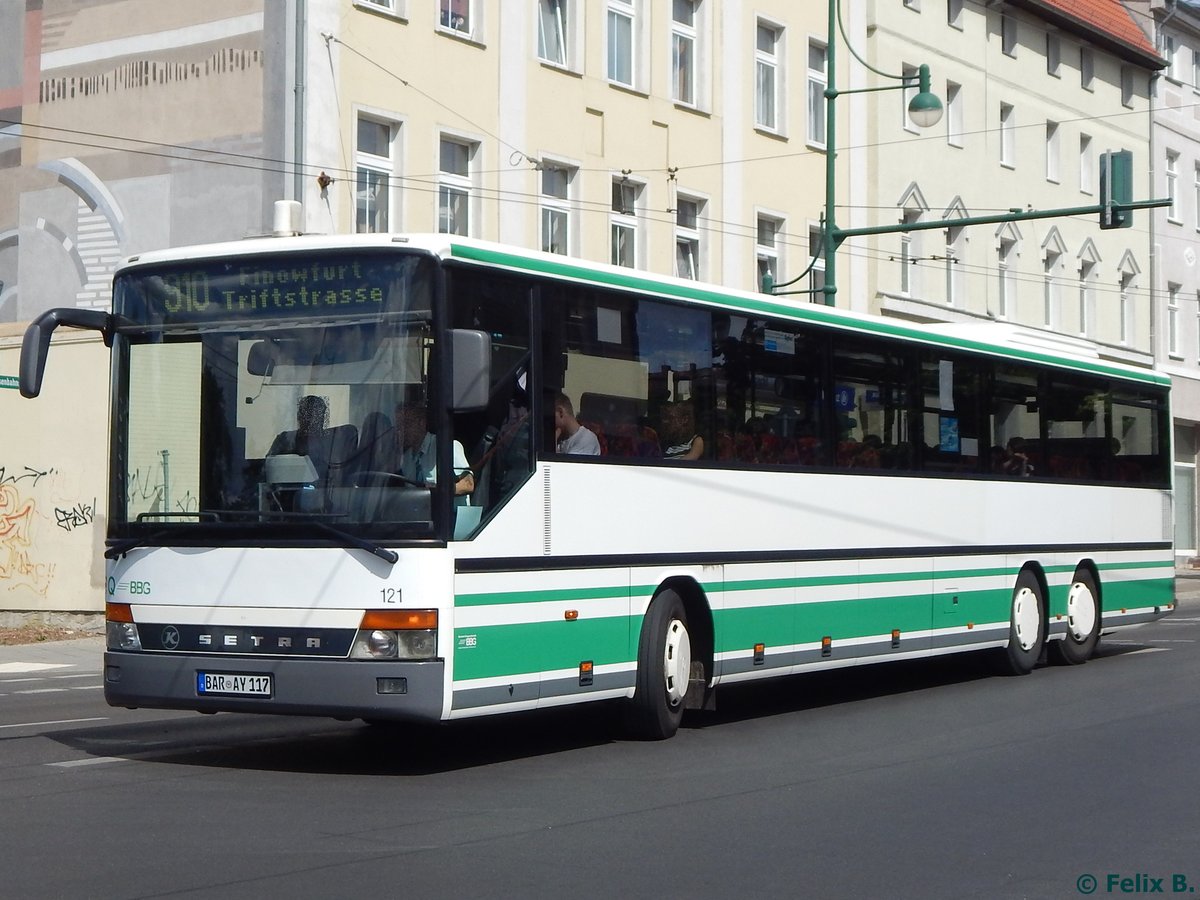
{"points": [[82, 653]]}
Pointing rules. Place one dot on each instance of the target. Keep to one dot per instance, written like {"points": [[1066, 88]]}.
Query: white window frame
{"points": [[1008, 35], [954, 14], [459, 185], [816, 272], [1008, 141], [685, 49], [368, 164], [768, 70], [955, 277], [624, 220], [768, 257], [1126, 307], [910, 252], [1006, 253], [1053, 152], [561, 16], [1087, 295], [1087, 165], [1171, 177], [626, 11], [1171, 53], [689, 239], [554, 208], [1173, 320], [818, 80], [954, 114], [397, 8], [1050, 287], [470, 28]]}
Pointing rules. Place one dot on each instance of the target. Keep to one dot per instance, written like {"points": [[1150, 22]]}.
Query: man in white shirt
{"points": [[418, 452], [572, 437]]}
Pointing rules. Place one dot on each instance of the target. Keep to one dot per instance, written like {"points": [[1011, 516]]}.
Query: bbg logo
{"points": [[139, 588]]}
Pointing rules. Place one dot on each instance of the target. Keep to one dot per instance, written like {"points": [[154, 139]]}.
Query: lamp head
{"points": [[925, 109]]}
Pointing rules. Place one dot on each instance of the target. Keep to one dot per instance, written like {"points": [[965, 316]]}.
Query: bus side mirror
{"points": [[35, 346], [470, 369]]}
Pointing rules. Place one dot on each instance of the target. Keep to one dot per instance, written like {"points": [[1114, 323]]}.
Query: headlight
{"points": [[123, 636], [390, 634]]}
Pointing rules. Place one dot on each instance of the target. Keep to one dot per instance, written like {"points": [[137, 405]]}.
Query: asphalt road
{"points": [[924, 780]]}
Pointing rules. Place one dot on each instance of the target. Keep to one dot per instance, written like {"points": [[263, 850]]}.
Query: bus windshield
{"points": [[267, 394]]}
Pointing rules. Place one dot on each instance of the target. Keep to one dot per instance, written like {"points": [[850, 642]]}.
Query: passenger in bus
{"points": [[417, 449], [1016, 460], [570, 436], [679, 432]]}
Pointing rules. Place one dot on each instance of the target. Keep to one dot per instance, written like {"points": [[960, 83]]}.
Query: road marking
{"points": [[20, 668], [43, 691], [55, 722], [91, 761]]}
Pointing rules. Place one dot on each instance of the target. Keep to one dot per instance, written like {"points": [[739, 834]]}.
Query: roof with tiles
{"points": [[1107, 22]]}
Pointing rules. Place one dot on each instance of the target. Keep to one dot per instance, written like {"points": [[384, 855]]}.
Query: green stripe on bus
{"points": [[802, 313], [1137, 594], [494, 651]]}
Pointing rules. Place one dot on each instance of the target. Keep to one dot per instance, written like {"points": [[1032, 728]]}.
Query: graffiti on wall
{"points": [[21, 563]]}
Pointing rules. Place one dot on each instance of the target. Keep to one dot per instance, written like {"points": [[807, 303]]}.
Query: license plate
{"points": [[233, 683]]}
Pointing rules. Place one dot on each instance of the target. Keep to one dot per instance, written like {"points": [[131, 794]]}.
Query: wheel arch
{"points": [[1089, 565]]}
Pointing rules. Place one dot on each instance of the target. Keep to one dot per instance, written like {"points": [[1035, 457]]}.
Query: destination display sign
{"points": [[254, 287]]}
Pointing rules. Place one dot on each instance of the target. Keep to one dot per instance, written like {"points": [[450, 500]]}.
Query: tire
{"points": [[663, 670], [1027, 626], [1083, 622]]}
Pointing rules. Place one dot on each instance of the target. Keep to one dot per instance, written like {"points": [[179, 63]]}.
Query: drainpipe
{"points": [[300, 63]]}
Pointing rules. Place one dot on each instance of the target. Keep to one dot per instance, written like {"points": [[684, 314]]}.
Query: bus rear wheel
{"points": [[663, 669], [1027, 626], [1083, 622]]}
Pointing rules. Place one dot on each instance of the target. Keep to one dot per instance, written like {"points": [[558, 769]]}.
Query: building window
{"points": [[766, 248], [553, 22], [914, 5], [1126, 307], [683, 51], [687, 237], [1196, 67], [1052, 152], [623, 228], [1173, 319], [1007, 135], [1087, 68], [1087, 274], [1171, 174], [458, 16], [1171, 54], [954, 270], [816, 272], [621, 47], [373, 174], [1006, 287], [910, 253], [1050, 288], [1196, 195], [954, 114], [1127, 86], [766, 76], [1087, 165], [1053, 54], [818, 57], [1008, 34], [954, 12], [454, 187], [1185, 490], [556, 208], [393, 6]]}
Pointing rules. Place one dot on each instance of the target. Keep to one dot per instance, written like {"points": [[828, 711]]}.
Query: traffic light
{"points": [[1116, 188]]}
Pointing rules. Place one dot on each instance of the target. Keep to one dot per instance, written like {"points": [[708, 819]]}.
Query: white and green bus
{"points": [[779, 487]]}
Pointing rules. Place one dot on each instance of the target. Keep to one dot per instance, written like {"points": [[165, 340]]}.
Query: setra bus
{"points": [[778, 488]]}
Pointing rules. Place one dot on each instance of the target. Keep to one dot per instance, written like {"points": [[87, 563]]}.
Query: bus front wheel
{"points": [[1083, 622], [1027, 626], [663, 669]]}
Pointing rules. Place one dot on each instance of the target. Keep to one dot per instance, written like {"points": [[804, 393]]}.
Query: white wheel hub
{"points": [[1081, 611], [1027, 617], [677, 661]]}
